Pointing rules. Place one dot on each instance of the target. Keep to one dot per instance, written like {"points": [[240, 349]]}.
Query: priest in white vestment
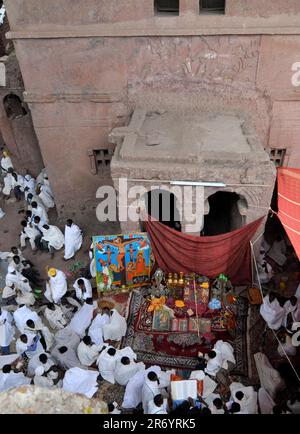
{"points": [[56, 285], [88, 352], [272, 312], [158, 405], [73, 239], [125, 369], [83, 288], [115, 330]]}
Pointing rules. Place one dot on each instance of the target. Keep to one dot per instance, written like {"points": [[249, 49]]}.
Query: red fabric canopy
{"points": [[228, 253], [289, 204]]}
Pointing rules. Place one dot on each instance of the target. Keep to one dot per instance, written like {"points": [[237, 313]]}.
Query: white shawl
{"points": [[57, 287], [82, 319], [116, 328], [88, 289], [81, 381], [54, 237], [7, 330], [73, 240], [95, 331], [272, 313]]}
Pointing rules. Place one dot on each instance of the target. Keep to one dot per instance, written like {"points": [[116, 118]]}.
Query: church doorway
{"points": [[224, 215], [162, 205]]}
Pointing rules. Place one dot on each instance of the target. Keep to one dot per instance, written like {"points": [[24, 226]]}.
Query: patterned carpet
{"points": [[178, 350]]}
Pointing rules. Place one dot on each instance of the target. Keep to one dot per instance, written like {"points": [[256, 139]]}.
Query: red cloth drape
{"points": [[289, 204], [227, 253]]}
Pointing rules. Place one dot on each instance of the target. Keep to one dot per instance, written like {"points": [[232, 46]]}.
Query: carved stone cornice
{"points": [[96, 97]]}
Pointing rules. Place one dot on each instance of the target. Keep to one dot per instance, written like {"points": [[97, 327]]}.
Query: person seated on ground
{"points": [[28, 233], [245, 396], [150, 389], [10, 380], [115, 330], [7, 331], [56, 285], [39, 210], [55, 316], [66, 357], [84, 382], [235, 408], [220, 362], [68, 309], [159, 405], [96, 328], [83, 318], [73, 239], [41, 379], [29, 217], [125, 369], [217, 407], [291, 313], [22, 286], [83, 289], [30, 273], [53, 238], [28, 346], [67, 337], [271, 311], [42, 359], [106, 363], [45, 336], [88, 352]]}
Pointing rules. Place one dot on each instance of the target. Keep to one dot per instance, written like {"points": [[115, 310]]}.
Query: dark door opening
{"points": [[224, 215], [162, 205]]}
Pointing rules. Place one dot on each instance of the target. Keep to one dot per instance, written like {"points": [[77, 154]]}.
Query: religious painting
{"points": [[183, 325], [122, 260], [204, 325], [161, 320], [193, 325]]}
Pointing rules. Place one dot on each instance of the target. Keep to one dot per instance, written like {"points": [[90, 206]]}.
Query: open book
{"points": [[184, 389]]}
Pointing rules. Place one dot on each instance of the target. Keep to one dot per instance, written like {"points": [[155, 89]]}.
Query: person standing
{"points": [[73, 239]]}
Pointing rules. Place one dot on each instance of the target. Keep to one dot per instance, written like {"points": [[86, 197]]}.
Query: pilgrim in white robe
{"points": [[8, 292], [56, 287], [22, 286], [210, 402], [8, 184], [270, 378], [35, 362], [22, 315], [7, 330], [106, 365], [115, 330], [46, 196], [54, 237], [96, 328], [153, 409], [87, 293], [41, 380], [55, 318], [133, 391], [30, 185], [31, 348], [81, 381], [31, 233], [88, 354], [266, 403], [249, 401], [224, 354], [123, 373], [45, 332], [67, 338], [2, 213], [73, 240], [215, 364], [272, 313], [13, 380], [149, 391], [40, 211], [68, 359], [6, 163], [82, 319]]}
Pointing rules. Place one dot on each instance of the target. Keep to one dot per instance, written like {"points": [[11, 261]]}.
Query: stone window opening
{"points": [[14, 107], [100, 159], [166, 7], [224, 214], [277, 156], [212, 6], [162, 205]]}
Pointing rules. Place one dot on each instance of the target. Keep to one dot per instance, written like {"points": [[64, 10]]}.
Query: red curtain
{"points": [[228, 253], [289, 204]]}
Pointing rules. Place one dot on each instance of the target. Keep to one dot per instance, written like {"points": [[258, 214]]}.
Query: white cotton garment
{"points": [[7, 330], [57, 287], [82, 319], [54, 237], [96, 328], [87, 293], [73, 240], [272, 313], [81, 381], [116, 328]]}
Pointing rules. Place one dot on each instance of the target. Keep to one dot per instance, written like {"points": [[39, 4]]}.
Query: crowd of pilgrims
{"points": [[64, 339]]}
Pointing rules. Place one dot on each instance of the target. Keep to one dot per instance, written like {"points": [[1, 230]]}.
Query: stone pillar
{"points": [[189, 7]]}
